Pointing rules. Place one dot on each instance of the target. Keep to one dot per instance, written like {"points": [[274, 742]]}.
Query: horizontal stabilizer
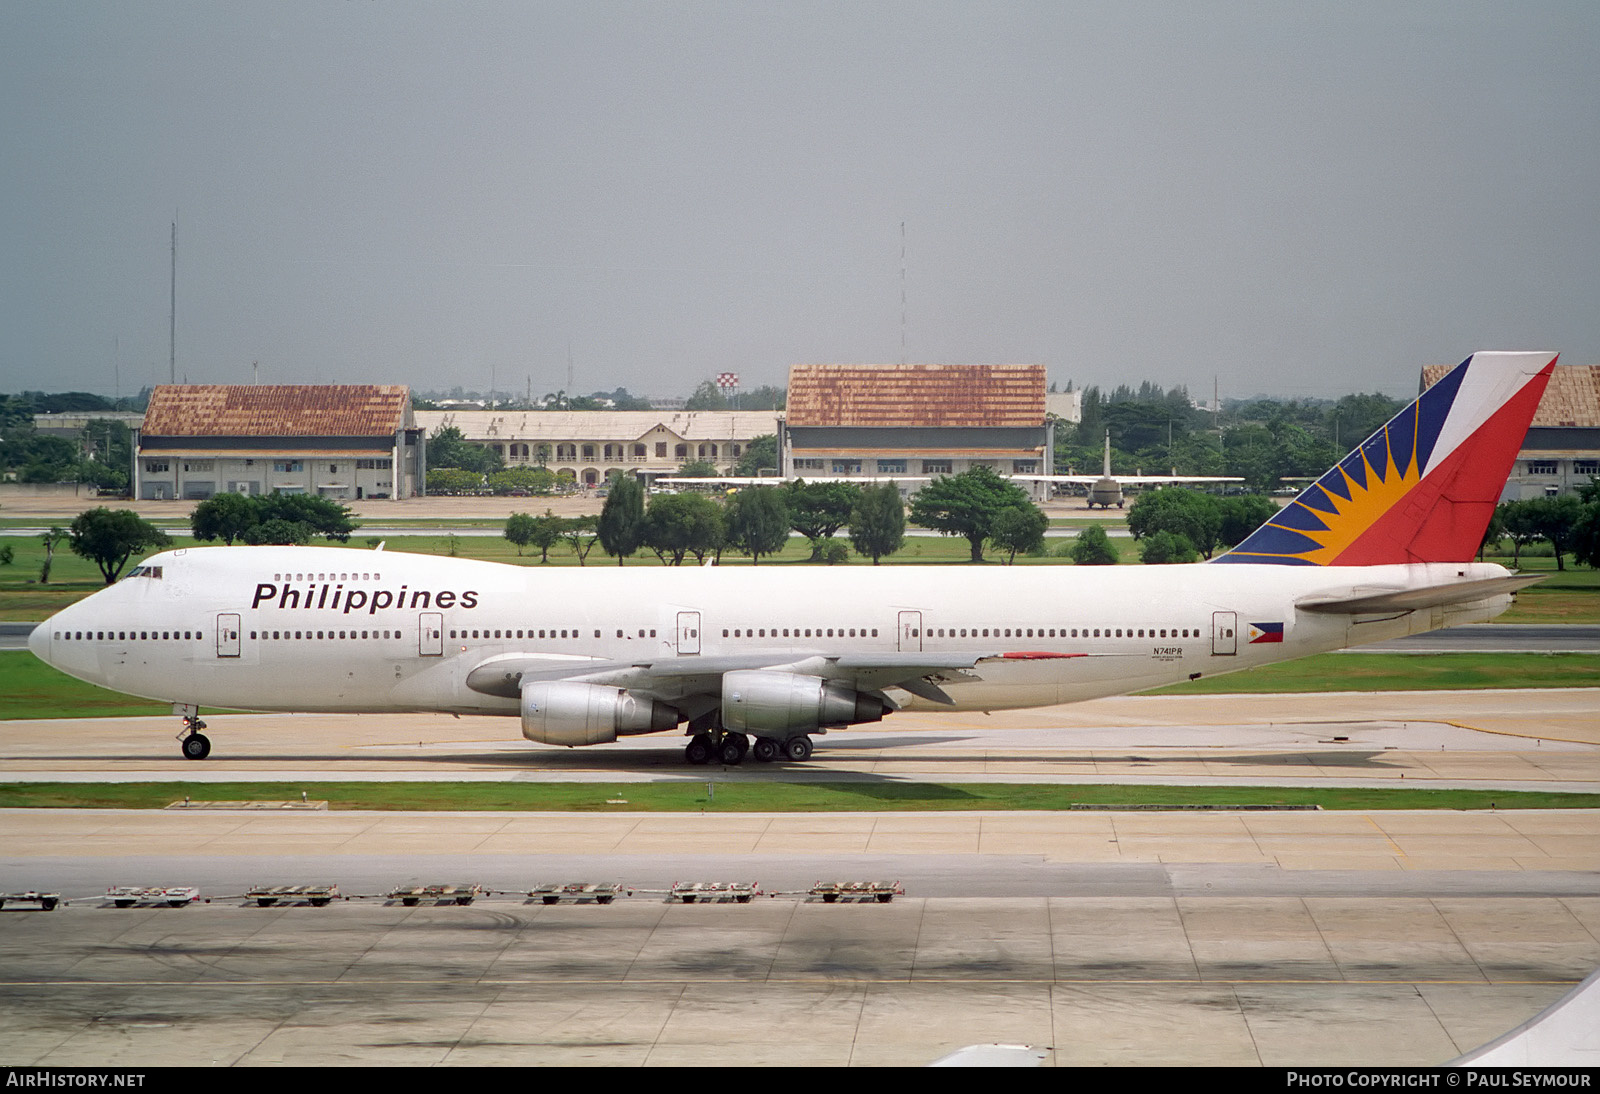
{"points": [[1364, 600]]}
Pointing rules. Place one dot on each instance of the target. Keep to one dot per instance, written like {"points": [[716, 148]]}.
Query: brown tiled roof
{"points": [[1572, 399], [916, 395], [275, 410]]}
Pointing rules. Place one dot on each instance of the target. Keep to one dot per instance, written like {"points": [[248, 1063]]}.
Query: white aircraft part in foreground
{"points": [[1564, 1034], [760, 659]]}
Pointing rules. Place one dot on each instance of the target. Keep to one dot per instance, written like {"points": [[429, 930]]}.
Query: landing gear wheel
{"points": [[765, 750], [698, 750], [798, 749], [732, 750], [196, 746]]}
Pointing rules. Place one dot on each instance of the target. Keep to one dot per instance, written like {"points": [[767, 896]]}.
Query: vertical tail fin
{"points": [[1422, 488]]}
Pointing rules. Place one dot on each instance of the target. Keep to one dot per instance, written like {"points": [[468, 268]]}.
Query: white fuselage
{"points": [[328, 629]]}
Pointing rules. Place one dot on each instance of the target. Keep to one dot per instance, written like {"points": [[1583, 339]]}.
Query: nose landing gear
{"points": [[196, 745]]}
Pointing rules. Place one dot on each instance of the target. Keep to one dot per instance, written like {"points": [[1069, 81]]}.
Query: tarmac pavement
{"points": [[1293, 938]]}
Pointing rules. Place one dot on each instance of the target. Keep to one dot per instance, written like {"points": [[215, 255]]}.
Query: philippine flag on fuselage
{"points": [[1266, 632]]}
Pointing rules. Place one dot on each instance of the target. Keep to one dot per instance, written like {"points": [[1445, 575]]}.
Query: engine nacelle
{"points": [[769, 703], [566, 712]]}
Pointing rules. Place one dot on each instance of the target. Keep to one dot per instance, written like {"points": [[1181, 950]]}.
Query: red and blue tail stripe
{"points": [[1422, 488]]}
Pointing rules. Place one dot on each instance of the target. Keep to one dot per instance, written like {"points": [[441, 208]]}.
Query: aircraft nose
{"points": [[39, 641]]}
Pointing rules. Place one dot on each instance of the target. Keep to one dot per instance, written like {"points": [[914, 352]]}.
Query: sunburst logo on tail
{"points": [[1353, 502]]}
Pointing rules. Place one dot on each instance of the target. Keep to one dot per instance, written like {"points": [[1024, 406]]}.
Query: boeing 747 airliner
{"points": [[760, 659]]}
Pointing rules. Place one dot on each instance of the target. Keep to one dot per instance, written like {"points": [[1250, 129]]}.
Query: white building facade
{"points": [[586, 446]]}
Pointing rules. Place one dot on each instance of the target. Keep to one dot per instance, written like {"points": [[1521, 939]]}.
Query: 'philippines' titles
{"points": [[331, 597]]}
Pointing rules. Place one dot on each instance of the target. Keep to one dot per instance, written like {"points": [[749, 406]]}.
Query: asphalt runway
{"points": [[1275, 938]]}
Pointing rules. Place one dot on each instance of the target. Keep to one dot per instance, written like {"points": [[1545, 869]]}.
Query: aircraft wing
{"points": [[1363, 600], [672, 678]]}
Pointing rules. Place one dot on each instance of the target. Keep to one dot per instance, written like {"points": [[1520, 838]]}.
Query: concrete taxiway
{"points": [[1546, 739], [1334, 938]]}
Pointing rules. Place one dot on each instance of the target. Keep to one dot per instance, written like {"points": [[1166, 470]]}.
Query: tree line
{"points": [[1569, 524], [101, 456], [757, 522], [1174, 524], [1262, 441]]}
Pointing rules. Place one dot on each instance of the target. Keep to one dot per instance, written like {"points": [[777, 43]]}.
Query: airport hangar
{"points": [[342, 441], [881, 421]]}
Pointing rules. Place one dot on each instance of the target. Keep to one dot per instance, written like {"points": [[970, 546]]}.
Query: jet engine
{"points": [[566, 712], [767, 703]]}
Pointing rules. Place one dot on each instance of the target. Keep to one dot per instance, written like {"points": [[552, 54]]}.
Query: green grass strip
{"points": [[29, 688], [761, 797], [1402, 672]]}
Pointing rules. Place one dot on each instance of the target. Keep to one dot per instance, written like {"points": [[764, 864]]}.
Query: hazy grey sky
{"points": [[1301, 198]]}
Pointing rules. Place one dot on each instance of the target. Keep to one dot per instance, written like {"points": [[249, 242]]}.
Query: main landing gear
{"points": [[731, 749], [196, 745]]}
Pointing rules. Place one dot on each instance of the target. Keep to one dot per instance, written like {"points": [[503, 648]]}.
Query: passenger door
{"points": [[688, 633], [430, 634], [910, 632], [227, 634], [1224, 633]]}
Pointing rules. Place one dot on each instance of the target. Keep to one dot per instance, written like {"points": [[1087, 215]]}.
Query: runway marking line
{"points": [[1393, 846], [1515, 736]]}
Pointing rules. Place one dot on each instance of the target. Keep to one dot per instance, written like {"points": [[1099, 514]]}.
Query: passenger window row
{"points": [[327, 577], [529, 632], [278, 636], [125, 636], [737, 632], [1064, 632], [802, 632]]}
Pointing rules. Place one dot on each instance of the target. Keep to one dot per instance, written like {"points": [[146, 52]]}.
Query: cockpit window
{"points": [[146, 571]]}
